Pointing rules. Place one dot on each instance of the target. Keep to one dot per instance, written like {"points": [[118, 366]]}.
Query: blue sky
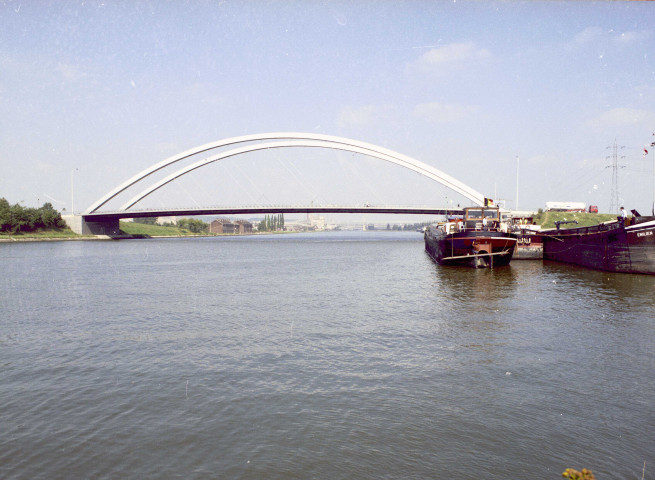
{"points": [[98, 91]]}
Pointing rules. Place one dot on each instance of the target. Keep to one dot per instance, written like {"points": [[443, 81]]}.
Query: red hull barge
{"points": [[529, 245], [477, 240], [610, 246]]}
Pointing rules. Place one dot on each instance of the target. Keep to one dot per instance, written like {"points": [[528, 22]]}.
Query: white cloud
{"points": [[436, 112], [623, 117], [70, 72], [339, 17], [200, 92], [39, 69], [598, 37], [629, 38], [450, 56], [541, 160], [361, 116], [588, 35], [45, 167]]}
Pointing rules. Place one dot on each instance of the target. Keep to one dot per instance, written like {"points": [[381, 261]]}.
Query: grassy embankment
{"points": [[548, 219], [142, 229], [49, 234], [128, 228]]}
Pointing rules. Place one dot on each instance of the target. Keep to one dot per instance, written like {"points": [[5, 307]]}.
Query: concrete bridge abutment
{"points": [[79, 225]]}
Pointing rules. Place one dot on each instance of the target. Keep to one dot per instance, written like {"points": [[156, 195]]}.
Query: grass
{"points": [[129, 228], [548, 219], [145, 230], [63, 233], [142, 229]]}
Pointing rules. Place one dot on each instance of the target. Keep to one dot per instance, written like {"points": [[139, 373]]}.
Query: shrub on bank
{"points": [[584, 474], [19, 219]]}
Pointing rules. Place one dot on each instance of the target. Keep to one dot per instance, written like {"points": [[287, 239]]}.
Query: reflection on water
{"points": [[627, 289], [345, 355]]}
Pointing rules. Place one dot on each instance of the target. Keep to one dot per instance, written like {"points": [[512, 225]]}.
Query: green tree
{"points": [[51, 218], [5, 215], [271, 223], [33, 217], [19, 220], [146, 220], [193, 225], [16, 218]]}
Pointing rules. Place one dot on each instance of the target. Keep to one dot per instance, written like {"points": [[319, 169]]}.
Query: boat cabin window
{"points": [[477, 213], [522, 220]]}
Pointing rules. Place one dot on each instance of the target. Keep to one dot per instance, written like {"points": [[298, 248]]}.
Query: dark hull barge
{"points": [[611, 246], [477, 240]]}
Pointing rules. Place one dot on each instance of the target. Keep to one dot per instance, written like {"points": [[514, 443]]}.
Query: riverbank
{"points": [[132, 230], [128, 230], [46, 236]]}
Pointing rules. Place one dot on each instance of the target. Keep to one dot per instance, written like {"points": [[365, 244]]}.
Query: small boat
{"points": [[478, 239], [626, 246]]}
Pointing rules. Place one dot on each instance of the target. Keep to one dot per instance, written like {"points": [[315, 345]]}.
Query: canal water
{"points": [[345, 355]]}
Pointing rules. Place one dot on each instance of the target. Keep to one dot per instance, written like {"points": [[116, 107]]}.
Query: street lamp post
{"points": [[653, 145], [516, 205], [73, 191]]}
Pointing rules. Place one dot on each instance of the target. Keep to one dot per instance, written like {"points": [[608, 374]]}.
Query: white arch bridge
{"points": [[93, 220]]}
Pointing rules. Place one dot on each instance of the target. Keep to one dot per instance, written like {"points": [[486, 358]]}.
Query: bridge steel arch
{"points": [[292, 140]]}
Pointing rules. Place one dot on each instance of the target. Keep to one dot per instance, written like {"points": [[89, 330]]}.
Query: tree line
{"points": [[16, 218], [271, 223]]}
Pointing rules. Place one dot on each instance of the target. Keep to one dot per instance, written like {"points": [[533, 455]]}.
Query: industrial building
{"points": [[225, 225]]}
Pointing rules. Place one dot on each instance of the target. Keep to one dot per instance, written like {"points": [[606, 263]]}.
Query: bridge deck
{"points": [[189, 212]]}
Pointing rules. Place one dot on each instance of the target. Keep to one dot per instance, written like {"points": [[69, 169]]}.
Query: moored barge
{"points": [[479, 239], [617, 246], [529, 245]]}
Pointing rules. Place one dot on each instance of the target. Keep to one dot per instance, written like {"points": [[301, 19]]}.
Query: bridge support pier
{"points": [[79, 225]]}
